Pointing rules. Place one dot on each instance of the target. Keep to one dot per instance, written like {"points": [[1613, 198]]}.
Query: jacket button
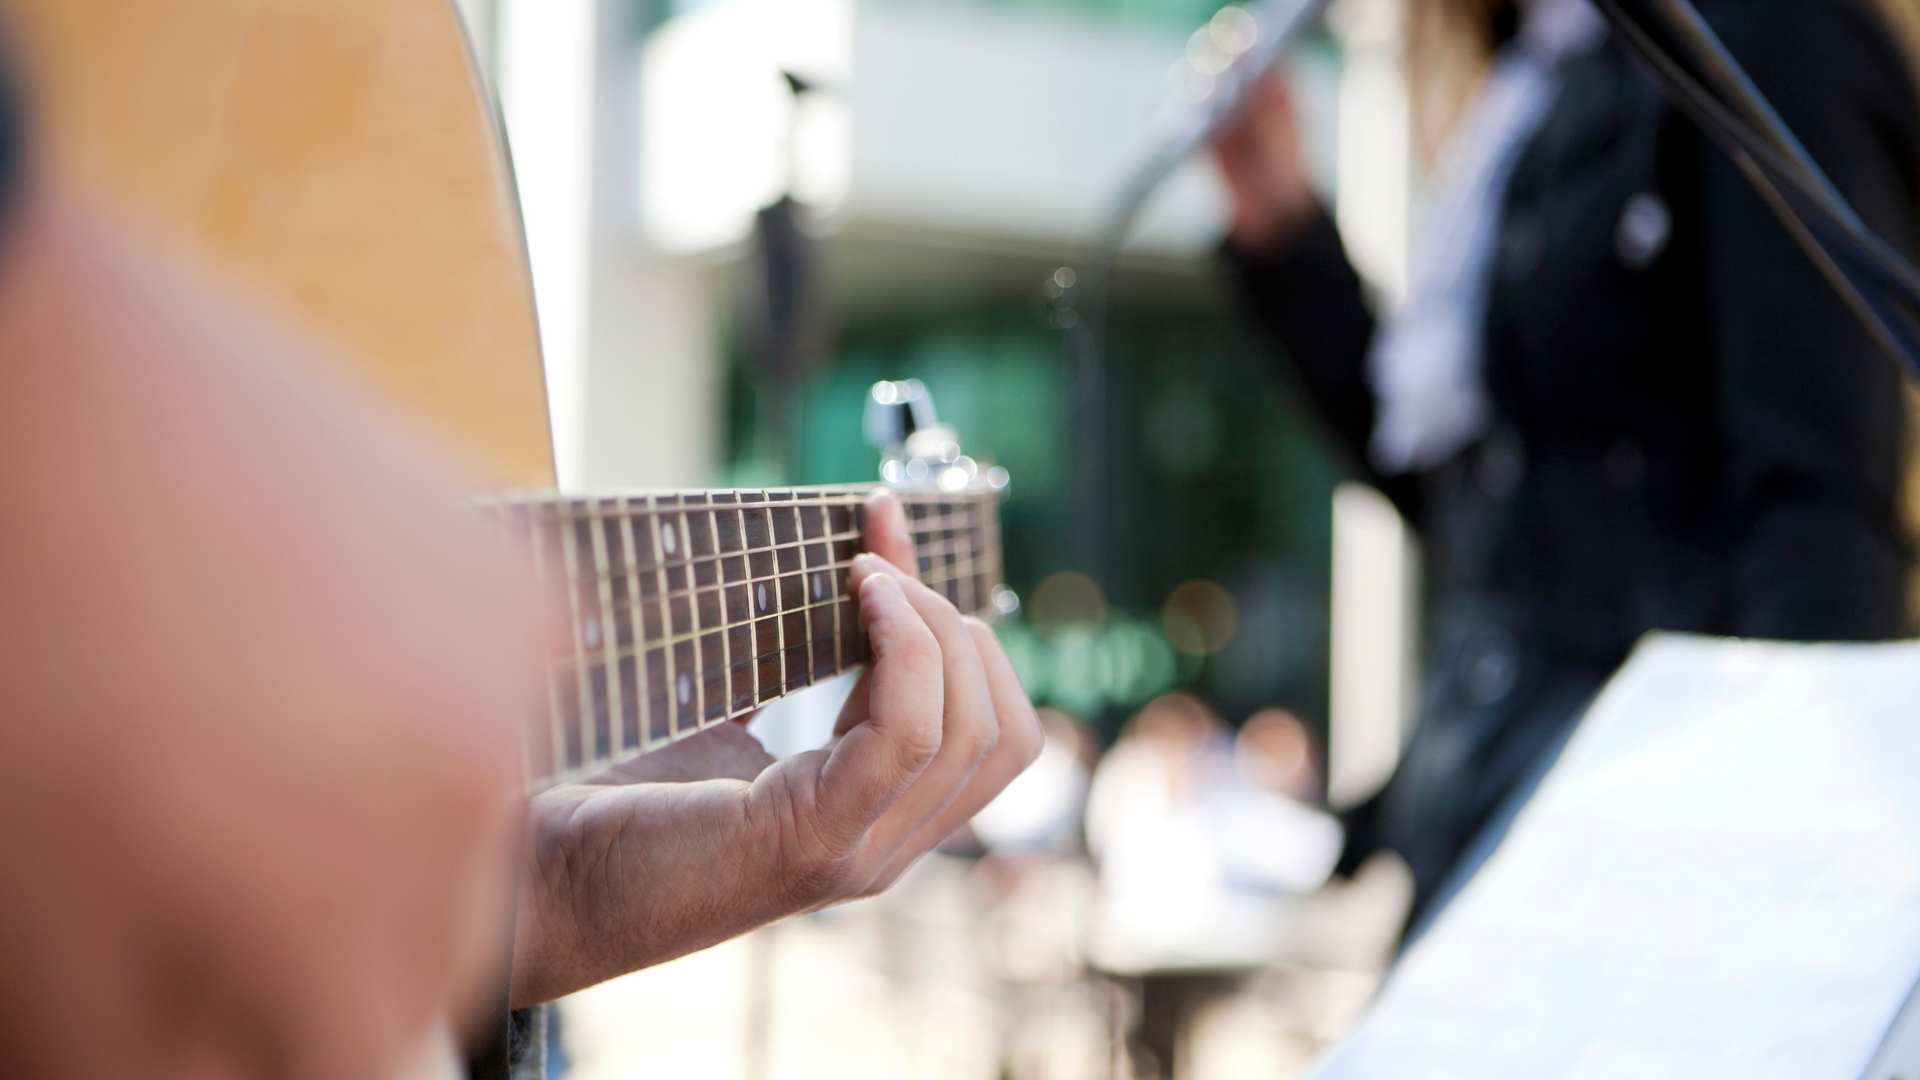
{"points": [[1492, 669], [1645, 227]]}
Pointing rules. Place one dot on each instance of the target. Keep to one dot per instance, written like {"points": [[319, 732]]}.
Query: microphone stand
{"points": [[1079, 295]]}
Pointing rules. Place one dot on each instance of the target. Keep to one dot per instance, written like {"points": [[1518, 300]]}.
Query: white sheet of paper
{"points": [[1721, 877]]}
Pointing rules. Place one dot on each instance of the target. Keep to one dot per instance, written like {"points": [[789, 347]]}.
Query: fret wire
{"points": [[693, 615], [692, 593], [571, 557], [568, 507], [746, 560], [779, 605], [951, 522], [920, 540], [972, 533], [956, 534], [934, 581], [800, 531], [720, 577], [826, 525], [554, 736], [949, 511], [768, 655], [733, 711], [609, 639], [642, 685], [596, 762], [666, 622]]}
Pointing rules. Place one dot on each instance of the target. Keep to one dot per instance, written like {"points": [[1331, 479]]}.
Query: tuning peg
{"points": [[895, 412]]}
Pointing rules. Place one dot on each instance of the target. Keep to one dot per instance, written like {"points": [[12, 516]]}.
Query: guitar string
{"points": [[921, 529], [976, 566], [611, 510], [588, 714], [960, 521], [941, 559], [588, 719], [931, 550], [594, 504], [924, 538]]}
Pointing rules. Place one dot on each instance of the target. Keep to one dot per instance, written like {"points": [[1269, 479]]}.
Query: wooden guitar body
{"points": [[340, 158]]}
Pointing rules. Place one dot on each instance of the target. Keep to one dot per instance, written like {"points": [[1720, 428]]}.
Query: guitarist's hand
{"points": [[623, 877]]}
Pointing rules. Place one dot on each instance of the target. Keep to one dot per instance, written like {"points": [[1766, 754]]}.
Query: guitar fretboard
{"points": [[692, 609]]}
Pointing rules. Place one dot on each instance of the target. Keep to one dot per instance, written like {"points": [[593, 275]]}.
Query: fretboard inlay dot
{"points": [[819, 586], [686, 688], [761, 596], [590, 634], [666, 537]]}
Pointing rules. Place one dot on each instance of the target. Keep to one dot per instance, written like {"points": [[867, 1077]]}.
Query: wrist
{"points": [[547, 915]]}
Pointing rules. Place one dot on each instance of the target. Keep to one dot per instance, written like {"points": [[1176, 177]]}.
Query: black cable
{"points": [[1880, 286]]}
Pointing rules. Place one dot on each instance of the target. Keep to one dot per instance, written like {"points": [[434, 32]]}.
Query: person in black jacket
{"points": [[1619, 398]]}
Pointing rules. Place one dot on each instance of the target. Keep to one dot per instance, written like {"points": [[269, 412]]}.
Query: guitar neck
{"points": [[691, 609]]}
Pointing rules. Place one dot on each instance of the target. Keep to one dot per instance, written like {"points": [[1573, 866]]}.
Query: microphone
{"points": [[1225, 60]]}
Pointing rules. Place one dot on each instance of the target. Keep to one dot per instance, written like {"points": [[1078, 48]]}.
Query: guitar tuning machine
{"points": [[916, 449]]}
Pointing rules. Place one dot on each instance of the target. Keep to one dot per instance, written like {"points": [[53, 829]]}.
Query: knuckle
{"points": [[882, 879], [984, 742], [1032, 742], [935, 605], [918, 748], [946, 608], [917, 644]]}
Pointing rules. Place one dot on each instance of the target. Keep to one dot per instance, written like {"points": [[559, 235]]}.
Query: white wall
{"points": [[945, 116], [629, 338]]}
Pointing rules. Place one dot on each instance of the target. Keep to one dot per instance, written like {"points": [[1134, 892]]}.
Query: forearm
{"points": [[623, 878]]}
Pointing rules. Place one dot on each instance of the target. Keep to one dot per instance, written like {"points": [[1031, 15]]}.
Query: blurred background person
{"points": [[650, 135], [1205, 849], [1617, 397]]}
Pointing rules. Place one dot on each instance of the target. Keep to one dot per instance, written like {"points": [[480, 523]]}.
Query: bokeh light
{"points": [[1068, 599], [1199, 618]]}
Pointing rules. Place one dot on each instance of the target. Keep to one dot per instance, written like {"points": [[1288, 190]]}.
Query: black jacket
{"points": [[1692, 433]]}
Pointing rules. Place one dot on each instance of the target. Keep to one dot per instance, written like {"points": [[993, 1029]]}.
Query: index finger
{"points": [[887, 533], [875, 762]]}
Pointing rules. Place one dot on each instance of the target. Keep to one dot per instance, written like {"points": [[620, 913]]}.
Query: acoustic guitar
{"points": [[342, 161]]}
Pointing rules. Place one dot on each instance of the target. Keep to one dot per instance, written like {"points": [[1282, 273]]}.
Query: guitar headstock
{"points": [[917, 451], [921, 458]]}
